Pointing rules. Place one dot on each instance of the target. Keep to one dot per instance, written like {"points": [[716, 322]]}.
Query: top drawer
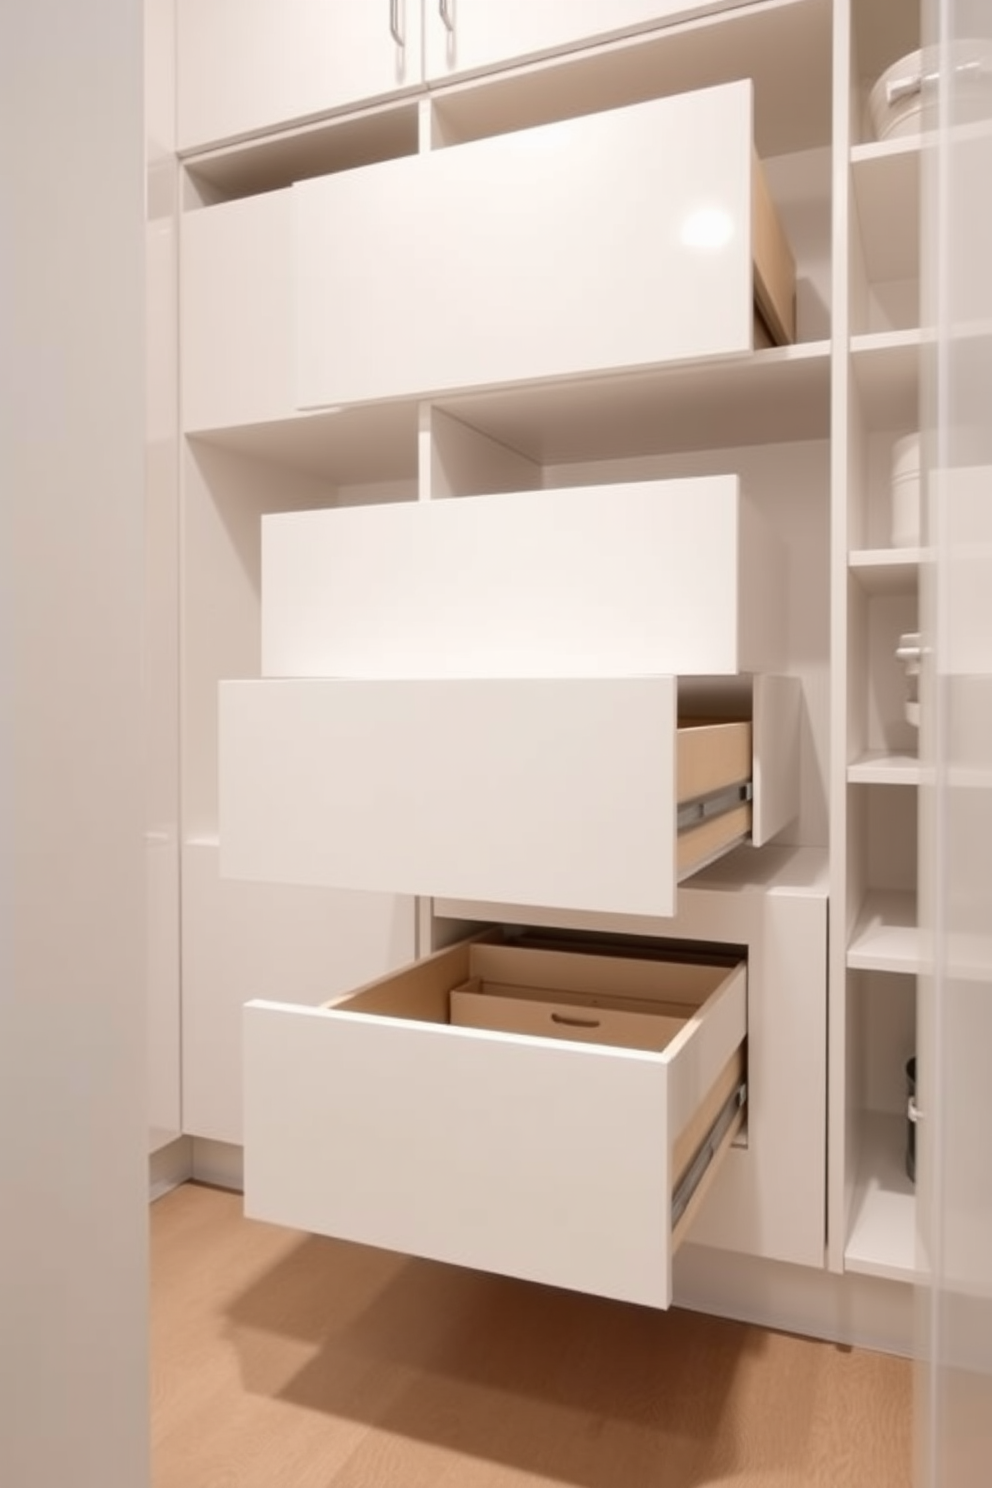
{"points": [[244, 66], [605, 243]]}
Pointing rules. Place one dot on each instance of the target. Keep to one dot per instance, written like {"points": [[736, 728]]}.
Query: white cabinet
{"points": [[495, 1138], [603, 243], [469, 35], [250, 65]]}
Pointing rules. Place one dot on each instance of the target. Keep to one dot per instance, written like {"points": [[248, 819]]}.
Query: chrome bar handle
{"points": [[444, 8], [394, 23]]}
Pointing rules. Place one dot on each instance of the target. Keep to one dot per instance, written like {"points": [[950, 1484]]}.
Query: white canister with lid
{"points": [[904, 100], [906, 492]]}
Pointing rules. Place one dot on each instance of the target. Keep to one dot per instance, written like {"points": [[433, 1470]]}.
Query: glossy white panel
{"points": [[249, 65], [777, 715], [236, 321], [484, 32], [549, 792], [602, 580], [494, 262], [286, 944]]}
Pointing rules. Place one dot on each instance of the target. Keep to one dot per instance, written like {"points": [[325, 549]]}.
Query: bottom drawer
{"points": [[466, 1109]]}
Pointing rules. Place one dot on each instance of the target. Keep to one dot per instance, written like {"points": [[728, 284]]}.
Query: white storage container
{"points": [[904, 100], [906, 492]]}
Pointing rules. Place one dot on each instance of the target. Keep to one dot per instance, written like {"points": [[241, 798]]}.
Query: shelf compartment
{"points": [[886, 937], [880, 767], [887, 571], [886, 178], [887, 369], [882, 1239]]}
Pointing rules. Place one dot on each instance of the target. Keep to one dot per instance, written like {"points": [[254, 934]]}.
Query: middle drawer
{"points": [[563, 792]]}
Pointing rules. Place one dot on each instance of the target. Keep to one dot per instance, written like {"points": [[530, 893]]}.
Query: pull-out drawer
{"points": [[613, 241], [671, 576], [516, 1146], [582, 793]]}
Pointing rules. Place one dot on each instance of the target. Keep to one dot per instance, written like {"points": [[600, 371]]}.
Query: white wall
{"points": [[73, 1373]]}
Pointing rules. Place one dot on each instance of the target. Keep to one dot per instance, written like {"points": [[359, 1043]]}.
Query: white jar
{"points": [[906, 492], [904, 100]]}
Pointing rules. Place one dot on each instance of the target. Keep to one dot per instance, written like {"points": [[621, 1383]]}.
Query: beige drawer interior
{"points": [[550, 1113]]}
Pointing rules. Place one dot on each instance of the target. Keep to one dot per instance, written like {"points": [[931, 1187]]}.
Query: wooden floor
{"points": [[284, 1361]]}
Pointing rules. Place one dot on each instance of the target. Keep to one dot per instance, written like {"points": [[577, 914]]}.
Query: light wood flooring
{"points": [[284, 1361]]}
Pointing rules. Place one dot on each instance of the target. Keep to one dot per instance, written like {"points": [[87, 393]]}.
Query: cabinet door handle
{"points": [[444, 7], [394, 23]]}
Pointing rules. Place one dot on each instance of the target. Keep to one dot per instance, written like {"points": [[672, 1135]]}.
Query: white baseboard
{"points": [[169, 1166], [219, 1163], [860, 1311]]}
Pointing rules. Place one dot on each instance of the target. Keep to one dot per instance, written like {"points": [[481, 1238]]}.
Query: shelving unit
{"points": [[808, 428], [878, 946]]}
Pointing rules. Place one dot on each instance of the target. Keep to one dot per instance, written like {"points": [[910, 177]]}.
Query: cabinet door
{"points": [[467, 35], [249, 65], [609, 242]]}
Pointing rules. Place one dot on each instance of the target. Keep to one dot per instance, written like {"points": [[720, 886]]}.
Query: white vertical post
{"points": [[73, 1168]]}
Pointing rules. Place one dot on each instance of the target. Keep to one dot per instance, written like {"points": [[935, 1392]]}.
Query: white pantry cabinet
{"points": [[609, 242], [553, 301], [470, 35], [244, 66]]}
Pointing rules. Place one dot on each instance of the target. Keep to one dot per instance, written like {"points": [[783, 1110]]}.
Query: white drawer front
{"points": [[551, 1161], [494, 262], [612, 580], [547, 792]]}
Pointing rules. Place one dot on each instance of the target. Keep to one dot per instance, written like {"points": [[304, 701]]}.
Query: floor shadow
{"points": [[571, 1387]]}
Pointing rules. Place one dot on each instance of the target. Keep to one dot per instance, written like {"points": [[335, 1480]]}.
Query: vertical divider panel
{"points": [[839, 1155]]}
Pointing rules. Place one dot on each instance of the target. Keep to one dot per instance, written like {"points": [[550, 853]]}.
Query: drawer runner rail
{"points": [[706, 808], [695, 1172]]}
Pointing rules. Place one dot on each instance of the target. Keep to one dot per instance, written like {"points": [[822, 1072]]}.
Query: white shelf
{"points": [[882, 1236], [887, 189], [887, 368], [886, 937], [880, 767], [884, 571], [377, 443], [761, 398]]}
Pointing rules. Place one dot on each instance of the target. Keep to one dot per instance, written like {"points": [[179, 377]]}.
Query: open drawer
{"points": [[623, 239], [526, 1148], [581, 793]]}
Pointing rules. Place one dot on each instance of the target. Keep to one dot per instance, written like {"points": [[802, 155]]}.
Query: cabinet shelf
{"points": [[885, 571], [761, 398], [350, 447], [886, 937], [887, 189], [882, 1236], [882, 767]]}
